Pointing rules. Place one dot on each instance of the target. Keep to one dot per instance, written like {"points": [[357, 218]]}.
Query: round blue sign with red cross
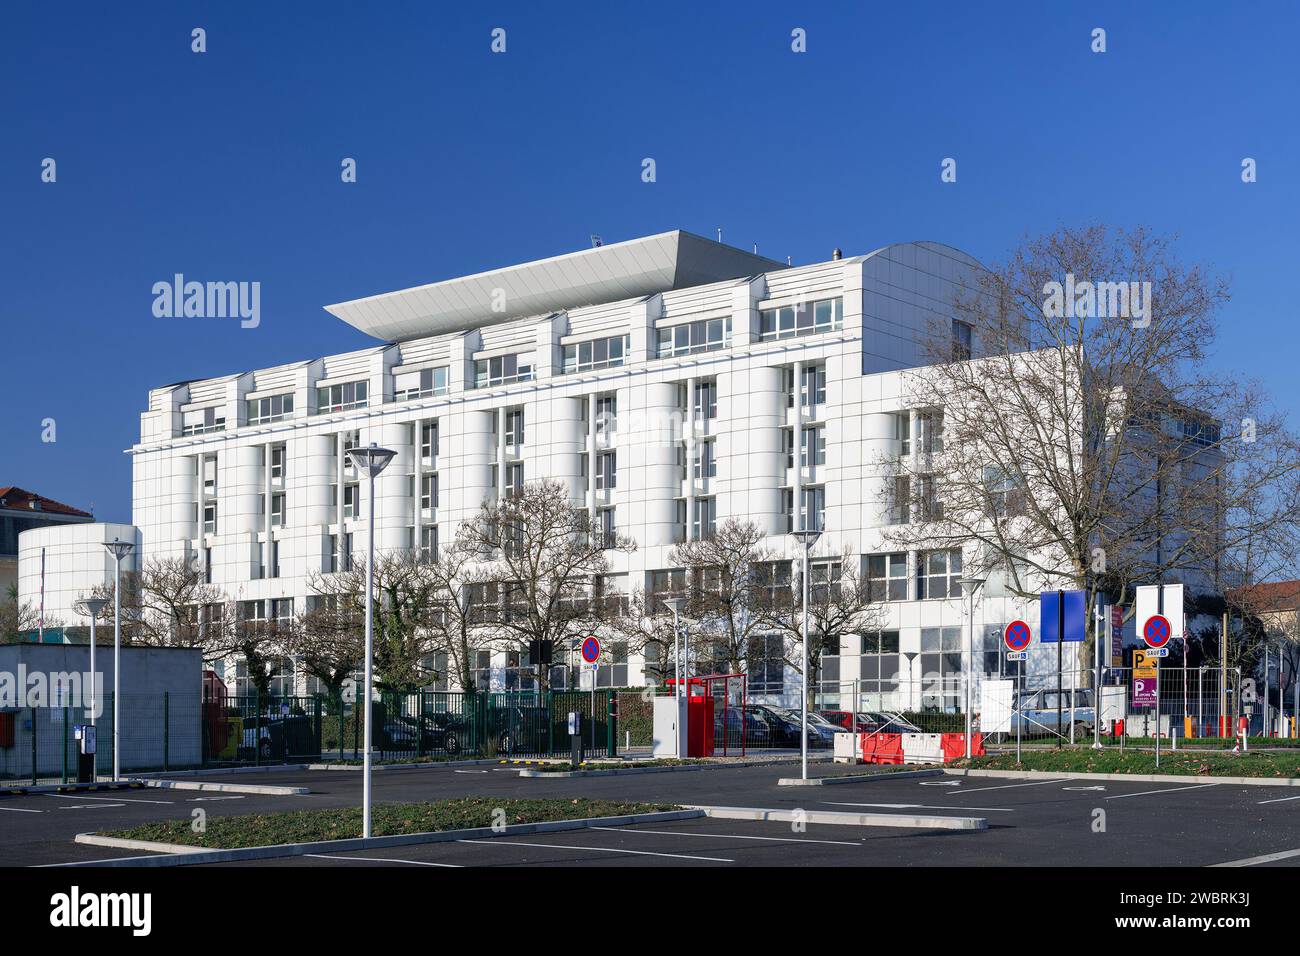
{"points": [[1017, 635], [1157, 631], [591, 650]]}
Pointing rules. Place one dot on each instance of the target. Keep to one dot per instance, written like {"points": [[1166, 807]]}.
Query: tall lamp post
{"points": [[675, 604], [972, 586], [90, 607], [370, 460], [807, 538], [119, 550]]}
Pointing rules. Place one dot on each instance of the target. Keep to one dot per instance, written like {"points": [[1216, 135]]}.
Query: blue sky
{"points": [[225, 165]]}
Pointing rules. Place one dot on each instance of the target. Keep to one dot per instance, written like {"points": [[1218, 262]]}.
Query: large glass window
{"points": [[270, 408], [341, 397], [705, 401], [879, 668], [938, 573], [200, 421], [596, 354], [806, 318], [705, 521], [961, 340], [887, 576], [502, 370], [420, 383], [812, 387], [941, 669], [766, 664], [706, 335]]}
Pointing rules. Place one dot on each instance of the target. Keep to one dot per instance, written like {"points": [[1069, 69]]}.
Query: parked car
{"points": [[871, 722], [1037, 712], [428, 733], [273, 736]]}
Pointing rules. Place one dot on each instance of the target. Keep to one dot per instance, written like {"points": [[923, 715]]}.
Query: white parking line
{"points": [[379, 859], [728, 836], [78, 796], [20, 810], [91, 806], [1147, 793], [919, 806], [1012, 786], [602, 849], [210, 799], [1266, 858], [1279, 800]]}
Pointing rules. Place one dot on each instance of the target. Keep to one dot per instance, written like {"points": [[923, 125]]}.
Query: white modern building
{"points": [[670, 381]]}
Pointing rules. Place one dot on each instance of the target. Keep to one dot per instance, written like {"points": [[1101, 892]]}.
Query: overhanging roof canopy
{"points": [[623, 270]]}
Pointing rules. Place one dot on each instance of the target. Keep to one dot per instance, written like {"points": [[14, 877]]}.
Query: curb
{"points": [[1138, 777], [847, 819], [176, 854], [261, 768], [856, 778], [610, 772], [402, 766], [227, 787], [71, 788]]}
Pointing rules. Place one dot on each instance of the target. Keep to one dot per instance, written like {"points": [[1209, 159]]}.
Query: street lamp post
{"points": [[119, 550], [972, 585], [91, 607], [371, 460], [808, 538], [675, 604]]}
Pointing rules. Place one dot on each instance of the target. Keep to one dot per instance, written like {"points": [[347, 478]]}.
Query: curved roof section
{"points": [[621, 270]]}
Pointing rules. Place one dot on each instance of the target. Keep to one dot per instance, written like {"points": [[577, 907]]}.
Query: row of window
{"points": [[805, 318]]}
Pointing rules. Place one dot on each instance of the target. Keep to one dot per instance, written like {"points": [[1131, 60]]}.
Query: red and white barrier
{"points": [[905, 748]]}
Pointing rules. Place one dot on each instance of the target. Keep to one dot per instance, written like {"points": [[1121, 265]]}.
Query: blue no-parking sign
{"points": [[591, 650], [1062, 616]]}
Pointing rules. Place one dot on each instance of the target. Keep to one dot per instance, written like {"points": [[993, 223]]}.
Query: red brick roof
{"points": [[1272, 596], [16, 499]]}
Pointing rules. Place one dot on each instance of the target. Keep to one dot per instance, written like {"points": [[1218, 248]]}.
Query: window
{"points": [[429, 544], [515, 478], [515, 427], [277, 463], [210, 475], [203, 420], [277, 510], [766, 664], [903, 432], [273, 565], [900, 506], [706, 461], [887, 577], [705, 404], [429, 443], [668, 583], [501, 370], [931, 508], [606, 471], [351, 500], [606, 528], [679, 519], [812, 446], [774, 583], [421, 383], [596, 354], [879, 666], [614, 674], [606, 419], [941, 668], [706, 335], [812, 387], [961, 340], [812, 508], [937, 574], [807, 318], [428, 492], [705, 520], [270, 408], [929, 432], [207, 565], [1005, 498], [341, 397], [210, 518]]}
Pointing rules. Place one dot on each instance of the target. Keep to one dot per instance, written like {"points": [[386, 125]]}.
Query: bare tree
{"points": [[541, 564], [840, 605], [161, 606], [648, 629], [1085, 443], [262, 643], [728, 579], [454, 627], [18, 617], [407, 595]]}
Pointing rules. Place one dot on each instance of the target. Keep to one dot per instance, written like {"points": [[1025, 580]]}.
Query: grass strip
{"points": [[1179, 763]]}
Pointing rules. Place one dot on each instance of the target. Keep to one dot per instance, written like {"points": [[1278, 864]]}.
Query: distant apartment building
{"points": [[22, 510]]}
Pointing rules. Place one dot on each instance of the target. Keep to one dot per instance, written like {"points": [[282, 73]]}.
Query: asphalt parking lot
{"points": [[1054, 822]]}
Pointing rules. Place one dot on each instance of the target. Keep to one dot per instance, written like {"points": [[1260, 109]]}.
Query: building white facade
{"points": [[671, 382]]}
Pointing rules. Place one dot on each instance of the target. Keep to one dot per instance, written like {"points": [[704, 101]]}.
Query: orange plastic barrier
{"points": [[954, 746], [882, 748]]}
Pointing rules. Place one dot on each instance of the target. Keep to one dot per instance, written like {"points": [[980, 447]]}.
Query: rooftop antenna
{"points": [[789, 261], [719, 234], [756, 248], [596, 241]]}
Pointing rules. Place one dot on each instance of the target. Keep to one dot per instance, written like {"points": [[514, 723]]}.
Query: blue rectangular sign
{"points": [[1076, 616]]}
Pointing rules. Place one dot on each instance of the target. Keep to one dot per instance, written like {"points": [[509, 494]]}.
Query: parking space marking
{"points": [[92, 806], [602, 849], [1266, 858], [20, 810], [1279, 800], [920, 806], [210, 799], [1147, 793], [729, 836], [379, 859], [77, 796], [1012, 786]]}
